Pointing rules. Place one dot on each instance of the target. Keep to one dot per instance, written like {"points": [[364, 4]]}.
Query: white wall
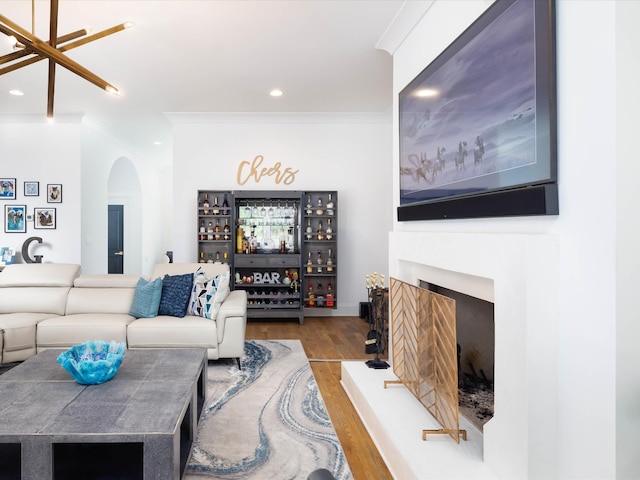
{"points": [[627, 240], [347, 153], [80, 156], [587, 229], [147, 240], [33, 150]]}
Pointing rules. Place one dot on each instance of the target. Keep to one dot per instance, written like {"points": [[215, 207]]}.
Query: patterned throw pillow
{"points": [[217, 291], [146, 298], [198, 291], [176, 291]]}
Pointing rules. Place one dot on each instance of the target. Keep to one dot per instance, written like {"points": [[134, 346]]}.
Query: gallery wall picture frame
{"points": [[31, 189], [44, 218], [7, 188], [7, 255], [15, 218], [54, 193]]}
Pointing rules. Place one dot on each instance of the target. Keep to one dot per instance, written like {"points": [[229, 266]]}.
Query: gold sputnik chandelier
{"points": [[31, 49]]}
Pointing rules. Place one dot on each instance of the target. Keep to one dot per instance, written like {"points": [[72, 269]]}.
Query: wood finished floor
{"points": [[327, 341]]}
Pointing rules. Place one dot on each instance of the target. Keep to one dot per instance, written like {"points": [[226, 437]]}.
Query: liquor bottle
{"points": [[309, 230], [225, 204], [227, 229], [320, 231], [330, 206], [290, 240], [311, 296], [225, 257], [319, 262], [239, 238], [319, 296], [309, 264], [218, 257], [319, 209], [205, 204], [217, 230], [203, 231], [210, 258], [309, 205], [329, 231], [215, 209], [202, 260], [253, 242], [330, 296], [210, 231], [329, 262]]}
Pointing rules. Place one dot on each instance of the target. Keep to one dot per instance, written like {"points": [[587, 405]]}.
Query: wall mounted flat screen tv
{"points": [[478, 124]]}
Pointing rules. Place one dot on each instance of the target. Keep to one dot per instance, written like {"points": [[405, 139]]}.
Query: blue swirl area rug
{"points": [[266, 421]]}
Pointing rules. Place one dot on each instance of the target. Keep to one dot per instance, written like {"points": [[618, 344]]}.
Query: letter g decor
{"points": [[25, 250]]}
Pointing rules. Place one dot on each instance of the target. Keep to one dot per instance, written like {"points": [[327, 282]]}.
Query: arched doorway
{"points": [[124, 252]]}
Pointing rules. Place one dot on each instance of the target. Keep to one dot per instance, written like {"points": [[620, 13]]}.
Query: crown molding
{"points": [[280, 118], [33, 118], [402, 24]]}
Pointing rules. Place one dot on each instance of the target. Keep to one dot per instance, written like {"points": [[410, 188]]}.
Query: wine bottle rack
{"points": [[267, 246], [320, 248]]}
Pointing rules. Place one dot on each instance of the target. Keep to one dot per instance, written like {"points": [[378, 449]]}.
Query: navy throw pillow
{"points": [[176, 291]]}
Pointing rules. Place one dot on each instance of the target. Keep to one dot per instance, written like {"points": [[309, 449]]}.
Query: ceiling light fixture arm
{"points": [[32, 45], [46, 50], [53, 38]]}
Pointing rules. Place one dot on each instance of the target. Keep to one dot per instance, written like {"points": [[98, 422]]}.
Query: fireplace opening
{"points": [[475, 334]]}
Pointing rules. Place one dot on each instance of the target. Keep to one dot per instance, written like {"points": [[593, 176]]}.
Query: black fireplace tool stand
{"points": [[377, 337]]}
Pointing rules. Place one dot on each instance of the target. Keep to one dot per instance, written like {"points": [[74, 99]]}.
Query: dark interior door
{"points": [[116, 239]]}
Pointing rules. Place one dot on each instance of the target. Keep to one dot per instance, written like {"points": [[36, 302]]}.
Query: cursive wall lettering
{"points": [[248, 170]]}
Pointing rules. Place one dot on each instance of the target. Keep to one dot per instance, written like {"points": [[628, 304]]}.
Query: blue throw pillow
{"points": [[146, 298], [176, 291]]}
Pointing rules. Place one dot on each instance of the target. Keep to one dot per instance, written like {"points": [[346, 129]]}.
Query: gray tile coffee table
{"points": [[139, 425]]}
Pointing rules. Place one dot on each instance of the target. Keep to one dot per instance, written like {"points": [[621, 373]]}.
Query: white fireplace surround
{"points": [[517, 272]]}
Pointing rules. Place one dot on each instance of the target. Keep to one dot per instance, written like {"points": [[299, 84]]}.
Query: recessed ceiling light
{"points": [[276, 92], [17, 93], [157, 142]]}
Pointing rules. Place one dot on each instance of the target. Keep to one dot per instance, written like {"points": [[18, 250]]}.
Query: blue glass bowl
{"points": [[93, 362]]}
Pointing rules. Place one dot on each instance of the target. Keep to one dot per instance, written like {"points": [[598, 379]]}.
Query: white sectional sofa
{"points": [[54, 306]]}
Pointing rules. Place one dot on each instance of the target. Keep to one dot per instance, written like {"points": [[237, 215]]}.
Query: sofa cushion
{"points": [[107, 280], [68, 330], [146, 299], [176, 291], [51, 300], [99, 300], [166, 331], [39, 275], [19, 331]]}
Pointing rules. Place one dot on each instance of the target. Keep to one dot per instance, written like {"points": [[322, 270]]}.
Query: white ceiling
{"points": [[208, 56]]}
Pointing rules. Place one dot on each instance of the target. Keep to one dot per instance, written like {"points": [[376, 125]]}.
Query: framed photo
{"points": [[44, 218], [7, 188], [7, 255], [31, 189], [54, 193], [15, 218], [477, 125]]}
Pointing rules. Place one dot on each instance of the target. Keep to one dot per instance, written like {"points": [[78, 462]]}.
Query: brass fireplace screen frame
{"points": [[424, 352]]}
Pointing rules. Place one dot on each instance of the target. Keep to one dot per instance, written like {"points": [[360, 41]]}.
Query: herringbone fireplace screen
{"points": [[424, 351]]}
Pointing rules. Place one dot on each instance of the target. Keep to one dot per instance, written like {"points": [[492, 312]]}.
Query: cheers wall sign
{"points": [[256, 171]]}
